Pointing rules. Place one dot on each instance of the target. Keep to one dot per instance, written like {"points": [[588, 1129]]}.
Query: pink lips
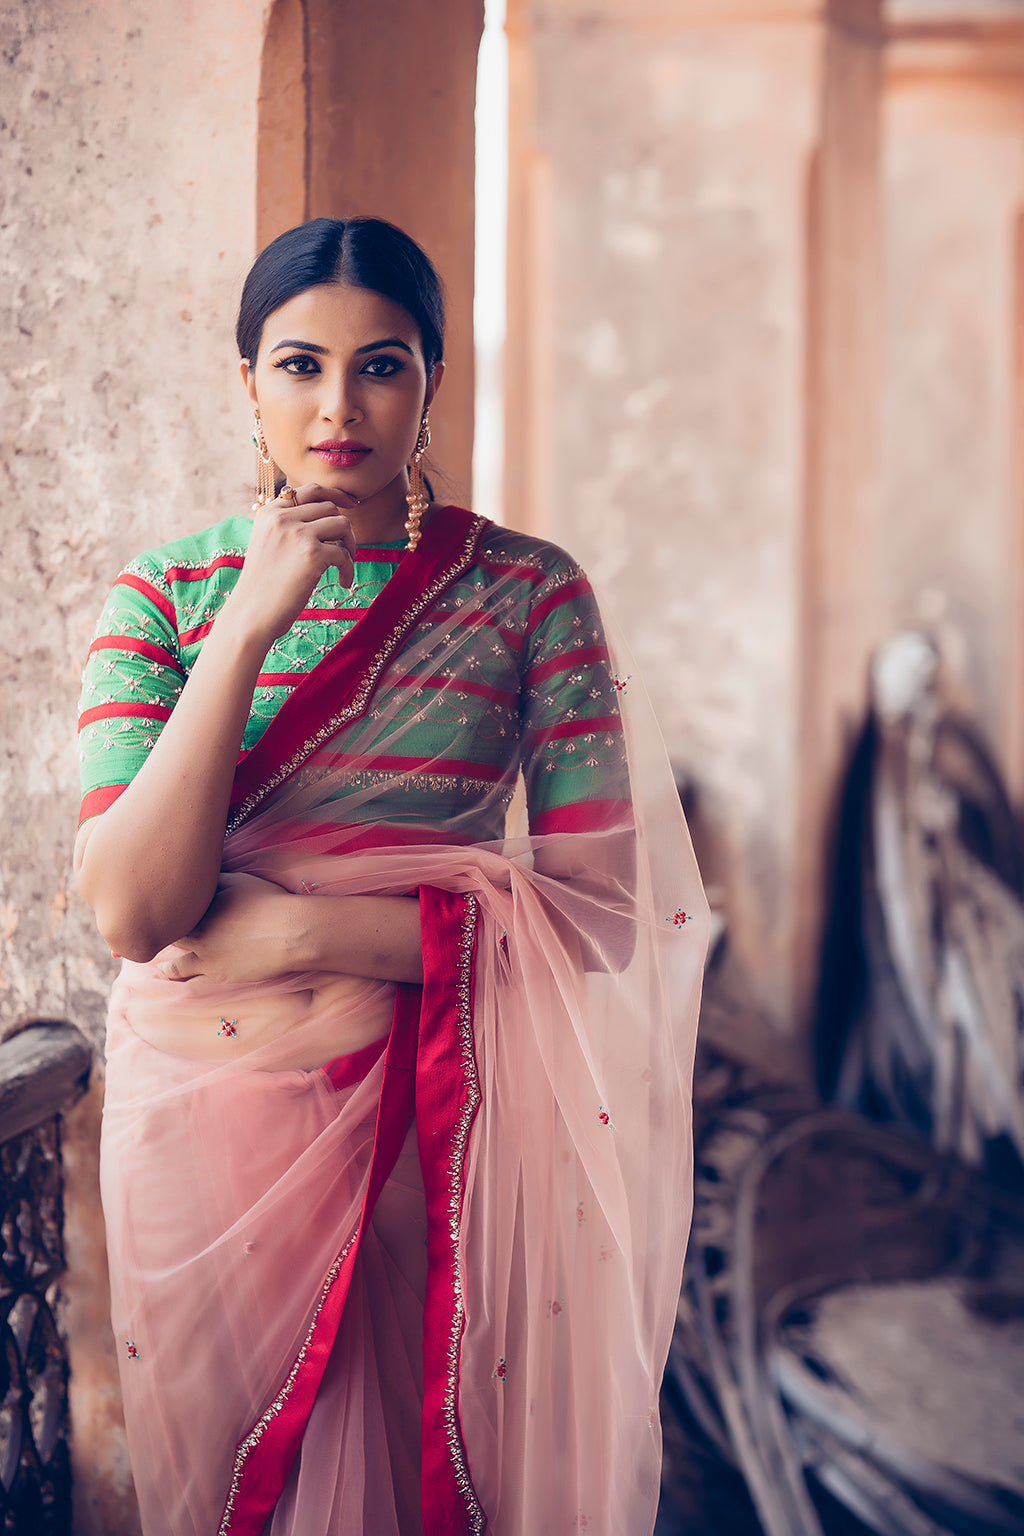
{"points": [[341, 455]]}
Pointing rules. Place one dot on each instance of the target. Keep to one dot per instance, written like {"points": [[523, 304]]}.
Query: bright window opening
{"points": [[491, 226]]}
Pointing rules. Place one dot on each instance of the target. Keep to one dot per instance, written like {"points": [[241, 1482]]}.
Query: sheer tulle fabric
{"points": [[231, 1186]]}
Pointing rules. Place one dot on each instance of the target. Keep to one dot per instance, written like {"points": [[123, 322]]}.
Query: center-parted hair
{"points": [[365, 253]]}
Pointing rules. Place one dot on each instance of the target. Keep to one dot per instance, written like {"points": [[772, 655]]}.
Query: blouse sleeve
{"points": [[133, 675], [574, 760]]}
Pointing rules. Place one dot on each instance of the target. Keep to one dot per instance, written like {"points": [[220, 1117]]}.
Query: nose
{"points": [[339, 399]]}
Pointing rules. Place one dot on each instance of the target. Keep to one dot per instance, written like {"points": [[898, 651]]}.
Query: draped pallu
{"points": [[426, 1281]]}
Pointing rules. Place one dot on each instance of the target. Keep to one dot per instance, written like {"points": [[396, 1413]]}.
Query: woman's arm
{"points": [[149, 865], [576, 777], [253, 931]]}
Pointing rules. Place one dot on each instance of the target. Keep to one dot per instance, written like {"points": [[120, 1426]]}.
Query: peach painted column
{"points": [[130, 174], [367, 107], [954, 332], [691, 385]]}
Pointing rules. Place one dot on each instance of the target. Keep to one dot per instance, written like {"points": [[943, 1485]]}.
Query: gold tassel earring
{"points": [[264, 466], [417, 499]]}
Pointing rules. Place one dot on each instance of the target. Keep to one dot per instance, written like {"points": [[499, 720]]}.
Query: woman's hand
{"points": [[293, 542], [255, 931], [243, 936], [149, 866]]}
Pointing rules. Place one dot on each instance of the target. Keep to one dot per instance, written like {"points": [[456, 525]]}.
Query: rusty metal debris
{"points": [[850, 1343]]}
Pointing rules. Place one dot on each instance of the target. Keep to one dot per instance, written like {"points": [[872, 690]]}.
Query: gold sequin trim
{"points": [[456, 1171], [255, 1435], [358, 704], [148, 573], [506, 557], [459, 784], [555, 578], [222, 552]]}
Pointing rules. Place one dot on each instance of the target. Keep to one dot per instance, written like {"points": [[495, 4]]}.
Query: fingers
{"points": [[333, 528], [292, 545], [313, 492], [319, 507], [183, 968], [346, 569]]}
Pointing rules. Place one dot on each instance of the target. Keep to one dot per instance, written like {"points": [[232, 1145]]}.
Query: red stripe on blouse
{"points": [[95, 801], [584, 816], [466, 685], [565, 663], [554, 600], [190, 636], [139, 584], [570, 728], [334, 614], [122, 712], [354, 838], [523, 572], [135, 647]]}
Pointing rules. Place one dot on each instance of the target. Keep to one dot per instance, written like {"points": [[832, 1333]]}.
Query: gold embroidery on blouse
{"points": [[460, 784], [363, 692]]}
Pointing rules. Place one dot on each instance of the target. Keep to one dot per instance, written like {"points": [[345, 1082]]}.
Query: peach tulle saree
{"points": [[429, 1283]]}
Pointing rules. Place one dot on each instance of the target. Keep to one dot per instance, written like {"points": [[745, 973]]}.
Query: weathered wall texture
{"points": [[954, 331], [669, 301], [141, 140], [763, 379], [766, 276], [128, 223]]}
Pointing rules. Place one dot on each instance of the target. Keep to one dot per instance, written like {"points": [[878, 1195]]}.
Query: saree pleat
{"points": [[429, 1287]]}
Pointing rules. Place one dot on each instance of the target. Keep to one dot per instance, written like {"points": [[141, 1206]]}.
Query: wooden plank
{"points": [[44, 1068]]}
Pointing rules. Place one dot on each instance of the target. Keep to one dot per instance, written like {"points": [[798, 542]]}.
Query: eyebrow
{"points": [[371, 346], [389, 341]]}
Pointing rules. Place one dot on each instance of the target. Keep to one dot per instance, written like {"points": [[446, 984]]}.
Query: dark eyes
{"points": [[298, 365], [382, 367], [301, 365]]}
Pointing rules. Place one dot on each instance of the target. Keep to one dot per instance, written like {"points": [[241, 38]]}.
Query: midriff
{"points": [[333, 1016]]}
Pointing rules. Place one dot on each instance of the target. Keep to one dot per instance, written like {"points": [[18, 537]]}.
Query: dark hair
{"points": [[367, 253]]}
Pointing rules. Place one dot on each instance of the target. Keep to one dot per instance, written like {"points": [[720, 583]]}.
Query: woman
{"points": [[396, 1149]]}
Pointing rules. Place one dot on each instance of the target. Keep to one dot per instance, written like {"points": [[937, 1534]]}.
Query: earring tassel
{"points": [[416, 499], [264, 466]]}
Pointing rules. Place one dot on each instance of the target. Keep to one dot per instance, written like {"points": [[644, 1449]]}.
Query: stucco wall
{"points": [[128, 224], [952, 400], [765, 379], [681, 171], [660, 343]]}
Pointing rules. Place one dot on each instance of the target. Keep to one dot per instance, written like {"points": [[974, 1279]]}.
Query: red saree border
{"points": [[340, 687], [264, 1455], [435, 1074], [447, 1100], [95, 801]]}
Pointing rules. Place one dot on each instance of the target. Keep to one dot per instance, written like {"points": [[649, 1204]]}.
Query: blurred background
{"points": [[736, 294]]}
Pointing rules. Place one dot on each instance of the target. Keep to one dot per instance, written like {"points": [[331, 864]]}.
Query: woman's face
{"points": [[341, 386]]}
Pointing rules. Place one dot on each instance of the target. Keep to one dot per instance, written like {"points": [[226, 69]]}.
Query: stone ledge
{"points": [[44, 1068]]}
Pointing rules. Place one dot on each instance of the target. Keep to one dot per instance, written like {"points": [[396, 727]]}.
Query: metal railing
{"points": [[44, 1068]]}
